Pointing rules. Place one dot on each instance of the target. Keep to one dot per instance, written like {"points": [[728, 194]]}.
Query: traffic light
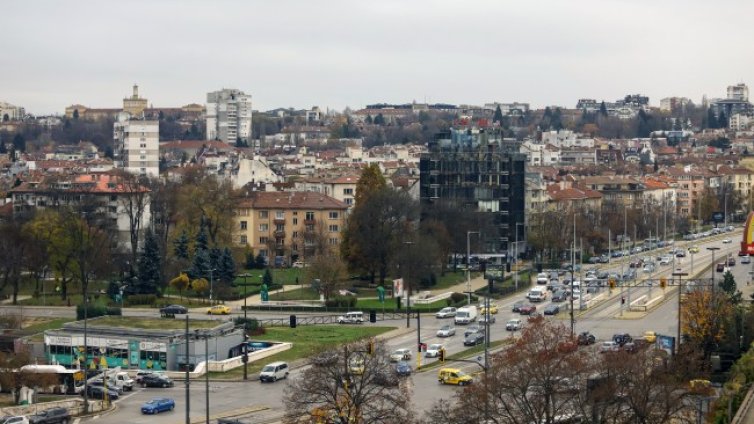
{"points": [[441, 355], [663, 282], [370, 347]]}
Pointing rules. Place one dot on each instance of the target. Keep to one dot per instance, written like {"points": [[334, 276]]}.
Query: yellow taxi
{"points": [[694, 249], [650, 336], [453, 376], [218, 310], [493, 309]]}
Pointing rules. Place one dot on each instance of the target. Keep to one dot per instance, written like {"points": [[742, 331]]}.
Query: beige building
{"points": [[135, 105], [285, 226]]}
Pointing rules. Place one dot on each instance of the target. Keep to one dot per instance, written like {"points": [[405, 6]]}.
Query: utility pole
{"points": [[468, 265], [186, 364], [573, 266]]}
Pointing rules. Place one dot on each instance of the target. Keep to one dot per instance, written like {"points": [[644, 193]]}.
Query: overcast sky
{"points": [[335, 53]]}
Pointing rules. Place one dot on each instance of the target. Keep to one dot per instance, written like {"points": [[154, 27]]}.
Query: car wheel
{"points": [[164, 385], [442, 381], [274, 378], [172, 407]]}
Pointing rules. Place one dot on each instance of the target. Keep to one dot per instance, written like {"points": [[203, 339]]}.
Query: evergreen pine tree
{"points": [[227, 267], [498, 117], [201, 242], [267, 278], [603, 109], [180, 246], [249, 264], [200, 266], [3, 150], [149, 265], [722, 120], [259, 262], [215, 256]]}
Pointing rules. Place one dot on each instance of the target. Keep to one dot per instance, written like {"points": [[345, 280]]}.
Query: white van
{"points": [[537, 294], [354, 317], [274, 372], [466, 315]]}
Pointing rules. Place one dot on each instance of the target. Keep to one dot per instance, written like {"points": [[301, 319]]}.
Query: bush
{"points": [[94, 310], [113, 310], [341, 302], [141, 299], [251, 323]]}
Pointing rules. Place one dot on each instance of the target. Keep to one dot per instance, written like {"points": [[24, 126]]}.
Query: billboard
{"points": [[747, 244], [666, 343], [718, 217]]}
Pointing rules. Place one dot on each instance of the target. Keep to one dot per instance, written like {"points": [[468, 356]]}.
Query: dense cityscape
{"points": [[368, 213]]}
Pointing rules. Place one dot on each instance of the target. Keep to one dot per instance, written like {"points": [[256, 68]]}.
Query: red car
{"points": [[527, 309]]}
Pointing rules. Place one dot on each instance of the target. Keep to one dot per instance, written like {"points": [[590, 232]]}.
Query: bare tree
{"points": [[349, 385], [328, 269], [134, 201]]}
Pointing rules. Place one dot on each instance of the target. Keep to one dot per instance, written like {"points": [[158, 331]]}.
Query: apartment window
{"points": [[263, 214], [279, 215], [263, 240], [333, 228], [142, 157], [309, 228], [113, 198], [334, 215], [280, 227], [263, 252], [295, 213], [264, 228], [295, 221], [310, 216], [295, 234], [243, 240], [349, 201], [143, 145], [348, 191], [243, 225], [333, 241]]}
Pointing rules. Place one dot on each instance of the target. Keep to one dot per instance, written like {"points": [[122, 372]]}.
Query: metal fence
{"points": [[328, 319]]}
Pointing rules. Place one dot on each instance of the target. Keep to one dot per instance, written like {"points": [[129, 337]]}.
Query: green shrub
{"points": [[113, 310], [94, 310], [341, 302], [251, 323], [141, 299]]}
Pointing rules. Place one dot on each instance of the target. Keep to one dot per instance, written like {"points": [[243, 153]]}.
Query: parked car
{"points": [[518, 305], [51, 416], [631, 347], [141, 373], [98, 392], [609, 347], [157, 405], [720, 267], [446, 331], [622, 339], [398, 355], [552, 310], [156, 380], [727, 241], [474, 339], [527, 309], [446, 313], [650, 336], [403, 368], [514, 324], [299, 264], [731, 261], [17, 419], [433, 350], [100, 383], [745, 259], [586, 338], [218, 310], [174, 310]]}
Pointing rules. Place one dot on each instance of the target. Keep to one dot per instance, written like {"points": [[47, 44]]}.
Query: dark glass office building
{"points": [[478, 170]]}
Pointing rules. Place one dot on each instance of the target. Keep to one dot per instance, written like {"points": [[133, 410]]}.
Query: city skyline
{"points": [[350, 54]]}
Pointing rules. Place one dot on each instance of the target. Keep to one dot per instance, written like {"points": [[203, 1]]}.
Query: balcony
{"points": [[279, 220], [279, 234], [309, 221]]}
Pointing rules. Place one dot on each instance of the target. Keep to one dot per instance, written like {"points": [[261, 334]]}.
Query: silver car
{"points": [[446, 331]]}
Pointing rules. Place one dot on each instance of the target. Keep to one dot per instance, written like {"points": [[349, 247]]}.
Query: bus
{"points": [[54, 379]]}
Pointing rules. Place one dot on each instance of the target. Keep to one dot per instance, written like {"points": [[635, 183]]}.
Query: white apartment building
{"points": [[229, 116], [738, 92], [137, 145]]}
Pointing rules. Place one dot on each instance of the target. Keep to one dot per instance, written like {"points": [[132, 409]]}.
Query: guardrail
{"points": [[328, 319]]}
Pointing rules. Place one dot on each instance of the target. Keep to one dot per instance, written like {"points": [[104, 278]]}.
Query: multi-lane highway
{"points": [[262, 403]]}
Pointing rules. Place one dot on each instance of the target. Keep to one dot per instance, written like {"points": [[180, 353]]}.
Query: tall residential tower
{"points": [[229, 116]]}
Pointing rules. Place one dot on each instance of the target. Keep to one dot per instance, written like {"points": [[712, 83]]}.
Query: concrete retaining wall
{"points": [[75, 406], [230, 363]]}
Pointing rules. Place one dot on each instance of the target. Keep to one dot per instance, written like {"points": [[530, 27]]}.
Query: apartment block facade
{"points": [[229, 116], [286, 226], [137, 145]]}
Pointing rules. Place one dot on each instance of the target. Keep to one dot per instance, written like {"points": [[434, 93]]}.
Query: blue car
{"points": [[157, 405], [403, 368]]}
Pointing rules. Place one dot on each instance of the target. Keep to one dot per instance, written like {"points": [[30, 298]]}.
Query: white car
{"points": [[354, 317], [400, 355], [483, 319], [446, 313], [610, 346], [17, 419], [514, 324], [446, 331], [665, 260], [745, 259], [727, 241], [433, 350]]}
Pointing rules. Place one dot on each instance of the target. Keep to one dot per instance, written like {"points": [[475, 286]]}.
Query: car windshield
{"points": [[268, 368], [435, 347]]}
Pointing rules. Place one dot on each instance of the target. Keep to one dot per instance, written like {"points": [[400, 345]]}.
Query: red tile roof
{"points": [[290, 200]]}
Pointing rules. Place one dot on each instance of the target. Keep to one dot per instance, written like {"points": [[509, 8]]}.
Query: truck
{"points": [[466, 315], [116, 379], [537, 294]]}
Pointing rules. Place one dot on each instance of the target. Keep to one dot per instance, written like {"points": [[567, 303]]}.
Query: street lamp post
{"points": [[468, 265], [245, 329], [206, 370], [680, 275], [211, 285], [713, 249], [188, 396]]}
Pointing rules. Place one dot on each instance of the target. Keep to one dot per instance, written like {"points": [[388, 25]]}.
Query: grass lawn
{"points": [[38, 326], [452, 278], [284, 276], [306, 340], [150, 323], [390, 305], [296, 294]]}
